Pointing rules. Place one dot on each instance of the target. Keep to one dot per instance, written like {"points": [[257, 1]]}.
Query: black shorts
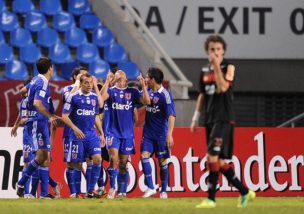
{"points": [[220, 139]]}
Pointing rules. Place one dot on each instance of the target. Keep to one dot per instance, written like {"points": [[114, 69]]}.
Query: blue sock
{"points": [[121, 182], [148, 172], [164, 172], [77, 176], [27, 184], [88, 176], [100, 181], [95, 175], [52, 183], [124, 189], [28, 172], [71, 180], [113, 175], [44, 180], [35, 182]]}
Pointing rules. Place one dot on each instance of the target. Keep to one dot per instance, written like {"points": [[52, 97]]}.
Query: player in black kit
{"points": [[216, 97]]}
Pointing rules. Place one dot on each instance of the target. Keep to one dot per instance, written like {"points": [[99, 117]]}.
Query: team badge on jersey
{"points": [[93, 102], [88, 102], [109, 141], [128, 96], [74, 155], [41, 142], [155, 100]]}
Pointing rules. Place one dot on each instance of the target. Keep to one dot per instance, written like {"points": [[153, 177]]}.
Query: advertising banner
{"points": [[269, 161]]}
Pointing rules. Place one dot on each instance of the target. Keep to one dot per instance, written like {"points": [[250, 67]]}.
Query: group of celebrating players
{"points": [[88, 136], [82, 103]]}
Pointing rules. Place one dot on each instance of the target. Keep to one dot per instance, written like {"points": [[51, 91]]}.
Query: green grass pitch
{"points": [[261, 205]]}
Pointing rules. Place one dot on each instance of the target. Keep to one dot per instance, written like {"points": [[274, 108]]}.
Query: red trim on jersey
{"points": [[225, 167], [208, 78], [214, 166]]}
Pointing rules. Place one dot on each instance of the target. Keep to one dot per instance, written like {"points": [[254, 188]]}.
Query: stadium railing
{"points": [[292, 121]]}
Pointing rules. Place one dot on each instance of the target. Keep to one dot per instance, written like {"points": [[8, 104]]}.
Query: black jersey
{"points": [[217, 106]]}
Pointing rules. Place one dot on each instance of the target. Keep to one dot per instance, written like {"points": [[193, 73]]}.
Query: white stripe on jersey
{"points": [[167, 95], [45, 82], [34, 132], [70, 151], [68, 100]]}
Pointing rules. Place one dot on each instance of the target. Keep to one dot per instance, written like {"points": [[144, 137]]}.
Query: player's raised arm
{"points": [[222, 85], [76, 86], [145, 99], [99, 97], [106, 85]]}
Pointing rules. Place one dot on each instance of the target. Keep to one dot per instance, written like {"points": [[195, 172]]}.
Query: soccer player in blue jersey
{"points": [[38, 118], [120, 102], [28, 148], [28, 152], [73, 172], [157, 133], [80, 113]]}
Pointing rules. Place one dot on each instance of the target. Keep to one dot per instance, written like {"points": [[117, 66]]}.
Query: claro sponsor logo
{"points": [[119, 106], [85, 112], [153, 109]]}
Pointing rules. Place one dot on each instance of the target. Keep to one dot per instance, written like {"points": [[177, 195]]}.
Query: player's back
{"points": [[38, 89]]}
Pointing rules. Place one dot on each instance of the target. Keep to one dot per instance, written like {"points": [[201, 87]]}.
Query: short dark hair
{"points": [[156, 74], [215, 38], [87, 75], [113, 70], [76, 71], [43, 65], [99, 85]]}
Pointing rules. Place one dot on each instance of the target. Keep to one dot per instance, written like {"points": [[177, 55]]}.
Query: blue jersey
{"points": [[121, 104], [23, 108], [66, 92], [38, 89], [83, 109], [105, 119], [157, 113]]}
